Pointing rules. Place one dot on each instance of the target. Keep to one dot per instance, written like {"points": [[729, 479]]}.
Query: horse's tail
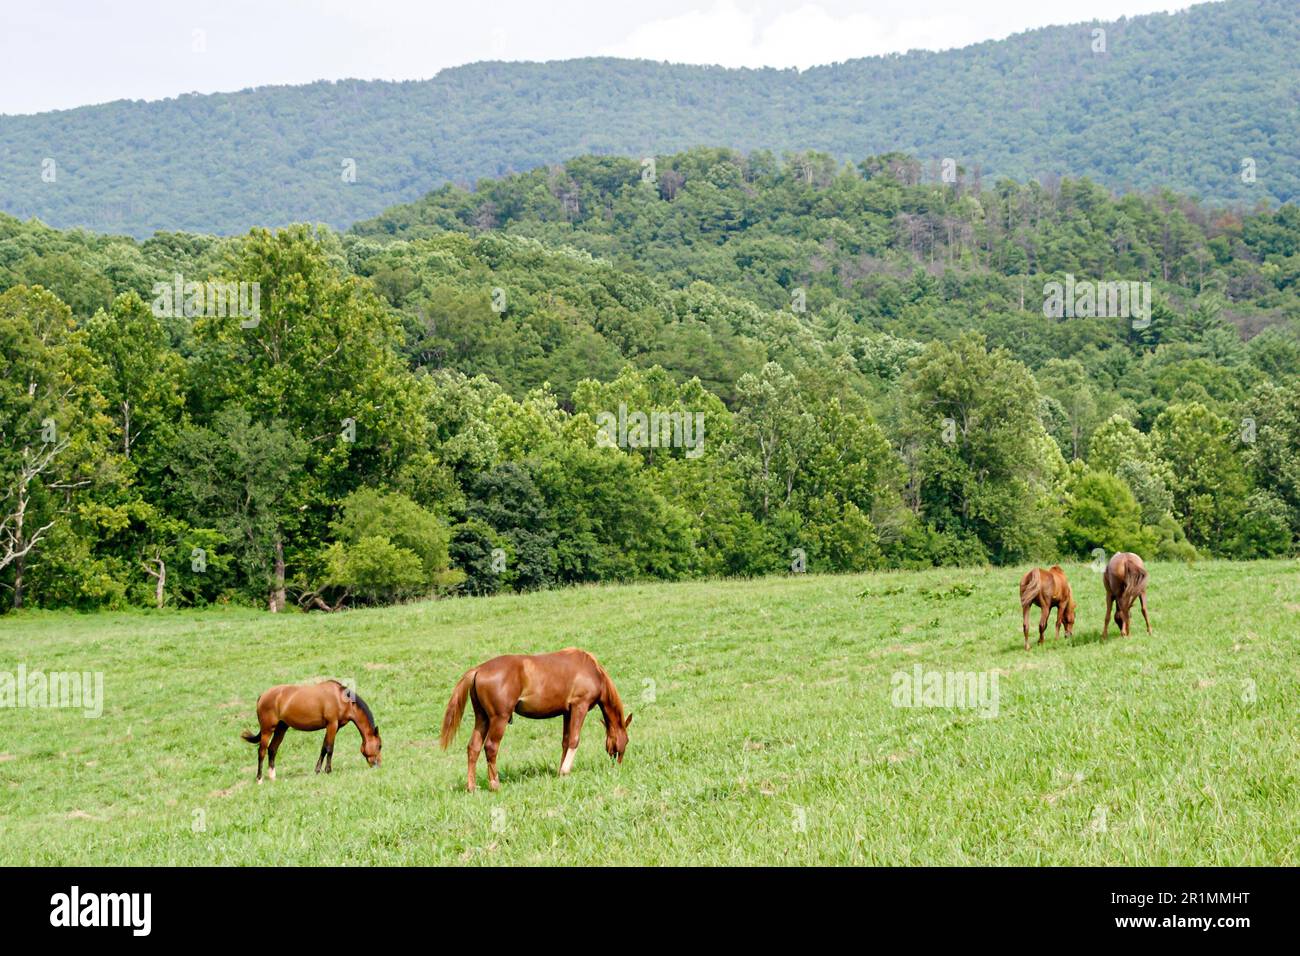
{"points": [[1029, 587], [456, 707], [1135, 583], [250, 736]]}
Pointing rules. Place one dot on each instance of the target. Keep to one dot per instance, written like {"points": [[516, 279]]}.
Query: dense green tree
{"points": [[507, 502], [1207, 476], [143, 384], [241, 475], [53, 430], [775, 435], [1102, 513], [1271, 426], [982, 467], [386, 548]]}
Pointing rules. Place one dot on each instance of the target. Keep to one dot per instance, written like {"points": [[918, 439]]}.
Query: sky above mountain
{"points": [[60, 54]]}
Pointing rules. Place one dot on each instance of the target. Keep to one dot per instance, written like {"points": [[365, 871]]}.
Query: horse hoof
{"points": [[271, 774]]}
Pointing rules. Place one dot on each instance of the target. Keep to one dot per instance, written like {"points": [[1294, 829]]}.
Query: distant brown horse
{"points": [[1126, 580], [569, 683], [325, 706], [1047, 588]]}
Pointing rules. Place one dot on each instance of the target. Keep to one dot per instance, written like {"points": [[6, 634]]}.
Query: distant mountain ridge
{"points": [[1203, 102]]}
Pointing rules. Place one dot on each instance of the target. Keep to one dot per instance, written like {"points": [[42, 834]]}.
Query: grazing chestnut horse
{"points": [[325, 706], [1126, 580], [569, 683], [1047, 588]]}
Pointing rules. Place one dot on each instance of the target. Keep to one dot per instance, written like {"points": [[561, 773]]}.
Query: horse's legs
{"points": [[1105, 624], [1042, 621], [1025, 608], [1056, 635], [275, 747], [330, 730], [577, 715], [564, 740], [261, 750], [476, 745], [496, 730], [320, 761], [1143, 599]]}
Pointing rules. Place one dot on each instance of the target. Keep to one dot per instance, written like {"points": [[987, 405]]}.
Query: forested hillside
{"points": [[417, 406], [1202, 102]]}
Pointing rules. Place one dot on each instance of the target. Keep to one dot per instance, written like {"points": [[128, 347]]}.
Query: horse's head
{"points": [[361, 715], [371, 746], [1069, 618], [616, 738]]}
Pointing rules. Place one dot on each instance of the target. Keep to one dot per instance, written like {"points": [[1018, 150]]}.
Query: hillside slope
{"points": [[1174, 100]]}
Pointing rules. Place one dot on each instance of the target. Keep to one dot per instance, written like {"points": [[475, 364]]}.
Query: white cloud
{"points": [[61, 53], [726, 35], [731, 33]]}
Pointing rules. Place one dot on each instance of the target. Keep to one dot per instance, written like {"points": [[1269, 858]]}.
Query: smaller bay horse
{"points": [[1125, 579], [325, 706], [566, 683], [1047, 588]]}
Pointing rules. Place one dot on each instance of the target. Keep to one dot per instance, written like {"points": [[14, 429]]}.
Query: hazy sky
{"points": [[56, 54]]}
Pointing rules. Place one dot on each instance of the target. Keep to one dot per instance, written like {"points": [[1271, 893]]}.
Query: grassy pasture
{"points": [[766, 730]]}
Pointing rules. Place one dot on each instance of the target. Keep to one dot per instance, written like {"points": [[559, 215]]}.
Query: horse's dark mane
{"points": [[356, 699], [365, 709]]}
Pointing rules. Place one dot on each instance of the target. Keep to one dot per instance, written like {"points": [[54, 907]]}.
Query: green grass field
{"points": [[766, 731]]}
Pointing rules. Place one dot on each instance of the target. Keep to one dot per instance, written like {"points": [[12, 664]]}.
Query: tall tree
{"points": [[983, 465], [51, 423]]}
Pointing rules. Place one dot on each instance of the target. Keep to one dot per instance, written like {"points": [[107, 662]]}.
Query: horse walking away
{"points": [[325, 706], [1047, 588], [1125, 579], [566, 683]]}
